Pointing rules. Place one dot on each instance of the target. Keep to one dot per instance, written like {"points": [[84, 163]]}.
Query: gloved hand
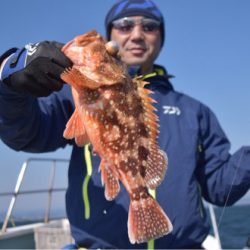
{"points": [[35, 69]]}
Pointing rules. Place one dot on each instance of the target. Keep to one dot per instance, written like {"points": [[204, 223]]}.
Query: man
{"points": [[39, 106]]}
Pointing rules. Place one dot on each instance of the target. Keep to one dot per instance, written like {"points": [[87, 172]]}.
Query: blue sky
{"points": [[207, 48]]}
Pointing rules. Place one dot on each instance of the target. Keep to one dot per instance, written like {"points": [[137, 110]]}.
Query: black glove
{"points": [[35, 69]]}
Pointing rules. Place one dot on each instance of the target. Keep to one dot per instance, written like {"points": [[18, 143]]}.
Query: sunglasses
{"points": [[126, 24]]}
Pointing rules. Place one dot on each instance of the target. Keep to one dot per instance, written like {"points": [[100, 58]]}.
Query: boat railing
{"points": [[217, 241], [51, 189]]}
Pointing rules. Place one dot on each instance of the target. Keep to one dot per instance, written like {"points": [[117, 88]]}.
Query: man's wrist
{"points": [[1, 67], [7, 54], [8, 62], [4, 58]]}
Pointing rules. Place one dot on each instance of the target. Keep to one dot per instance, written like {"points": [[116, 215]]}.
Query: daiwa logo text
{"points": [[31, 48], [171, 110]]}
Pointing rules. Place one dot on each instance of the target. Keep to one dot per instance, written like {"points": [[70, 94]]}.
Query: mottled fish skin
{"points": [[118, 118]]}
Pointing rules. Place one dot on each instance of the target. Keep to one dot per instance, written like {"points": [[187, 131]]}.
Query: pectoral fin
{"points": [[75, 129]]}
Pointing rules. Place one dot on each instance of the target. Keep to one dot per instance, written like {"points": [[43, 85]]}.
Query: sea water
{"points": [[233, 223], [234, 226]]}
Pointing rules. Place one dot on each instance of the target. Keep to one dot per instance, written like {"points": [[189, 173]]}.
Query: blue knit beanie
{"points": [[125, 8]]}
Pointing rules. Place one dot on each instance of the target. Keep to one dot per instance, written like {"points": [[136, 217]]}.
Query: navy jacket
{"points": [[199, 165]]}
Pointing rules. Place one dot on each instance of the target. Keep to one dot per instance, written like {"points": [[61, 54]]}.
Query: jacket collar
{"points": [[159, 77]]}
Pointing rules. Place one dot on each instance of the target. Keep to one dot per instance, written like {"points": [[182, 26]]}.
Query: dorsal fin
{"points": [[155, 161], [150, 118]]}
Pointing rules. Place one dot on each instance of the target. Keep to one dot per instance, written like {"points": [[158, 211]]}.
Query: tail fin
{"points": [[147, 220]]}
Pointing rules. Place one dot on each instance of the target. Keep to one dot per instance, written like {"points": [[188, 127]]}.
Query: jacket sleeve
{"points": [[34, 124], [224, 178]]}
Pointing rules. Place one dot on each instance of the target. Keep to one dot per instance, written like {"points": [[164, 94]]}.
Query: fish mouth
{"points": [[65, 47]]}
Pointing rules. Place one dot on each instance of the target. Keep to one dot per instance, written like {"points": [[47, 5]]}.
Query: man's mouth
{"points": [[137, 50]]}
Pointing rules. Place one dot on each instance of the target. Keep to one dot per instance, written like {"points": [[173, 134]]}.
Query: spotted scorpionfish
{"points": [[116, 115]]}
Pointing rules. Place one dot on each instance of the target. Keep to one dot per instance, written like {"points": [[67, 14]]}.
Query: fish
{"points": [[115, 113]]}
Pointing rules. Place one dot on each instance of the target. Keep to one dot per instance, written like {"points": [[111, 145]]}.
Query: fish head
{"points": [[96, 59]]}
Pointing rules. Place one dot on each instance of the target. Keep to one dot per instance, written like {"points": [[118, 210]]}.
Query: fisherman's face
{"points": [[139, 40]]}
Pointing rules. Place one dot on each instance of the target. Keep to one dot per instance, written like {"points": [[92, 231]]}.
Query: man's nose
{"points": [[137, 33]]}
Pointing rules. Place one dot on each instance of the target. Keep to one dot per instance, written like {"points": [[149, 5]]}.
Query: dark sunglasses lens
{"points": [[150, 27], [124, 25], [127, 25]]}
